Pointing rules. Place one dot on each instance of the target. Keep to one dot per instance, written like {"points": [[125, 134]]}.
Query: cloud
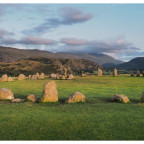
{"points": [[108, 46], [74, 41], [29, 41], [67, 16], [4, 33]]}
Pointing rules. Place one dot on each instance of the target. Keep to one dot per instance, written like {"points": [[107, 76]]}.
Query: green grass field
{"points": [[97, 119]]}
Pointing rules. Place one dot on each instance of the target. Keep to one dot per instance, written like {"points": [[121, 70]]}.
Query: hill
{"points": [[8, 54], [48, 66], [134, 64]]}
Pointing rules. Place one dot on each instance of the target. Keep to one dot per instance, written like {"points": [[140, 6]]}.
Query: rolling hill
{"points": [[47, 65], [134, 64], [8, 54]]}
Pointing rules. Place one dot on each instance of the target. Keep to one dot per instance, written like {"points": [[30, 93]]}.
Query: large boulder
{"points": [[21, 77], [42, 76], [120, 98], [6, 94], [99, 72], [4, 78], [50, 93], [32, 98], [10, 79], [76, 97]]}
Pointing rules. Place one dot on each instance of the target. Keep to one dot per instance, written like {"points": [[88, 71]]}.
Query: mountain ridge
{"points": [[8, 54]]}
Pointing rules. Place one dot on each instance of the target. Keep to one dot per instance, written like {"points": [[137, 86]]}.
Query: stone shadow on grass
{"points": [[94, 100], [136, 101]]}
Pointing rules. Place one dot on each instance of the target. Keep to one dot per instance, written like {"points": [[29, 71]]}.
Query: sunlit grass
{"points": [[97, 119]]}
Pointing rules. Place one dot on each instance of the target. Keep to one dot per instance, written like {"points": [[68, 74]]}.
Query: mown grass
{"points": [[97, 119]]}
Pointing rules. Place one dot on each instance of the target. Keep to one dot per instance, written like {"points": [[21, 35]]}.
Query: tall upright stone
{"points": [[99, 72], [50, 93], [42, 76], [65, 72], [29, 77], [115, 72], [138, 74], [37, 74]]}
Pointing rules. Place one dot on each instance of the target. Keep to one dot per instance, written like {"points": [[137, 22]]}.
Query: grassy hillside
{"points": [[97, 119], [8, 54], [134, 64], [48, 66]]}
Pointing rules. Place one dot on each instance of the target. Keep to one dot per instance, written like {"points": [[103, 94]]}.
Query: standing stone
{"points": [[42, 76], [58, 77], [53, 76], [99, 72], [138, 74], [120, 98], [132, 75], [76, 97], [18, 100], [65, 73], [115, 72], [37, 74], [34, 77], [62, 77], [21, 77], [10, 79], [50, 93], [29, 77], [83, 75], [142, 98], [143, 73], [70, 76], [4, 77], [32, 98], [6, 94]]}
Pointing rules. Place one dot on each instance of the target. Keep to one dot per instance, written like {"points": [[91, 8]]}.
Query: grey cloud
{"points": [[109, 46], [29, 41], [74, 41], [4, 33], [67, 16]]}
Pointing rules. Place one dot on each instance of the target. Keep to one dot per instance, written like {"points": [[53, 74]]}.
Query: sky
{"points": [[112, 29]]}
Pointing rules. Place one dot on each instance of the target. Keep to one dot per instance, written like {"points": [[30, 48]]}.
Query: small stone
{"points": [[120, 98], [17, 100], [76, 97], [10, 79], [32, 98]]}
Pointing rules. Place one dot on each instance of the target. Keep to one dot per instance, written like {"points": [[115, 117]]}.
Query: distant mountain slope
{"points": [[47, 65], [8, 54], [134, 64], [105, 59]]}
